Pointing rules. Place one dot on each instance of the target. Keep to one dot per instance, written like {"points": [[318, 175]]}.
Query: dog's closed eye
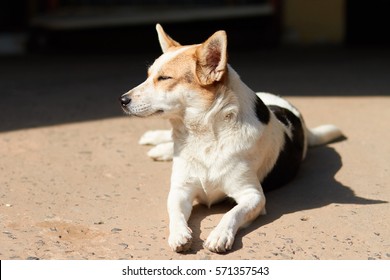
{"points": [[163, 78]]}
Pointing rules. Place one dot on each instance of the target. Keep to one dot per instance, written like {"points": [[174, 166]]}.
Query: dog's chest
{"points": [[210, 164]]}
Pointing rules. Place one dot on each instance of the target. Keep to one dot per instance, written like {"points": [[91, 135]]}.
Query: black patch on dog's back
{"points": [[290, 157], [262, 111]]}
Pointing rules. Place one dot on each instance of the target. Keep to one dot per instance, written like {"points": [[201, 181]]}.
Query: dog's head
{"points": [[182, 78]]}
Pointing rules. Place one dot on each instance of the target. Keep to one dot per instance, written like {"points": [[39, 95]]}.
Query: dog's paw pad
{"points": [[180, 241], [162, 152], [155, 137], [219, 241]]}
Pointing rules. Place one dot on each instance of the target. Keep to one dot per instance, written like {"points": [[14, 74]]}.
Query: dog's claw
{"points": [[180, 241], [219, 241], [183, 247]]}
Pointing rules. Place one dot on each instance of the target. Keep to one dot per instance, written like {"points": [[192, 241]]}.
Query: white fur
{"points": [[162, 152], [218, 151], [155, 137], [323, 134], [216, 154]]}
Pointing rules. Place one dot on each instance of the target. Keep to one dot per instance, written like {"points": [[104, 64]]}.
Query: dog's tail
{"points": [[323, 134]]}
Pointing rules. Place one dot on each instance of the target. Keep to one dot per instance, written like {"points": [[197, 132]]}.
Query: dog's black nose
{"points": [[125, 100]]}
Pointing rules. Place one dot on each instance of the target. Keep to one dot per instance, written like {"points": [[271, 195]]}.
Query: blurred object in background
{"points": [[129, 25], [125, 26], [336, 22], [13, 26], [314, 22], [12, 43]]}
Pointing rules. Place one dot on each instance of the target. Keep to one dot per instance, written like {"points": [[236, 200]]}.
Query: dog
{"points": [[226, 140]]}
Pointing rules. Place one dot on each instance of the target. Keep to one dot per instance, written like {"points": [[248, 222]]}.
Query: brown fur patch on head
{"points": [[189, 77], [181, 70]]}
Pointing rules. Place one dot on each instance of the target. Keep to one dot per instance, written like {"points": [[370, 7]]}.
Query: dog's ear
{"points": [[165, 41], [212, 58]]}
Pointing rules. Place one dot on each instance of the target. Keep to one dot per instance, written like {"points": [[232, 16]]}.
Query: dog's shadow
{"points": [[314, 187]]}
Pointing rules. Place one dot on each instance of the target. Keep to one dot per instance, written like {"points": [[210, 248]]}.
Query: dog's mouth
{"points": [[141, 111], [158, 112]]}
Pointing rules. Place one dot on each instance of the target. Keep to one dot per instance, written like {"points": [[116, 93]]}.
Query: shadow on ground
{"points": [[315, 187], [42, 90]]}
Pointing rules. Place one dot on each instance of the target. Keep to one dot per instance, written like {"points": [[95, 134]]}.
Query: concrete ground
{"points": [[74, 183]]}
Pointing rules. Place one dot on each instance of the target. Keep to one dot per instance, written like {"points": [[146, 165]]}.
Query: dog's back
{"points": [[297, 137]]}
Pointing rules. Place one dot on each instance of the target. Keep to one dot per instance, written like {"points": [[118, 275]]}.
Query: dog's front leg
{"points": [[179, 209], [250, 203]]}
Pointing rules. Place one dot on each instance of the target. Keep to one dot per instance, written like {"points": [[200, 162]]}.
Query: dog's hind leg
{"points": [[162, 152], [162, 139], [155, 137]]}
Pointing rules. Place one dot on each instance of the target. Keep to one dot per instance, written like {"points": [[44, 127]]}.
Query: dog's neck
{"points": [[233, 103]]}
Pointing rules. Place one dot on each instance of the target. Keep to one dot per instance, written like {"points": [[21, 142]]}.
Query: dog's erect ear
{"points": [[212, 58], [165, 41]]}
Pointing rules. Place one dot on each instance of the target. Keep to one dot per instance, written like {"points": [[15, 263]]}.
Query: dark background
{"points": [[366, 23], [68, 60]]}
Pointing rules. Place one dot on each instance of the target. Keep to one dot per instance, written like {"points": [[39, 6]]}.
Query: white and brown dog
{"points": [[226, 140]]}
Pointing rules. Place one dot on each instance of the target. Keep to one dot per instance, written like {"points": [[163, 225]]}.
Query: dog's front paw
{"points": [[180, 241], [219, 240], [155, 137]]}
